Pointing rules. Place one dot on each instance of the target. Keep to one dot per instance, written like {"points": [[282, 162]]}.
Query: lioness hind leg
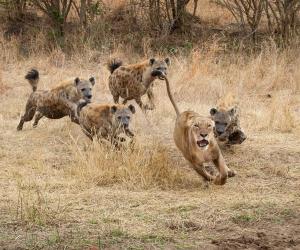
{"points": [[223, 170], [199, 168]]}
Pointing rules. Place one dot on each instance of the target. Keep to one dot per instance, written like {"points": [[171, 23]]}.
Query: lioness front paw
{"points": [[220, 179]]}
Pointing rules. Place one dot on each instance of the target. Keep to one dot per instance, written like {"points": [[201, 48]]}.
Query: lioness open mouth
{"points": [[202, 143]]}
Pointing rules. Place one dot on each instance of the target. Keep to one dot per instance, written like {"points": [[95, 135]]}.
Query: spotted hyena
{"points": [[105, 121], [133, 81], [227, 123], [57, 102]]}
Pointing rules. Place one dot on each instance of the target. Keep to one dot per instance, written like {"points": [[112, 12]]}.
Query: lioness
{"points": [[194, 137]]}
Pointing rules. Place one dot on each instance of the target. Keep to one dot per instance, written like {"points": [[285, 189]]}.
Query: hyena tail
{"points": [[33, 78], [113, 64]]}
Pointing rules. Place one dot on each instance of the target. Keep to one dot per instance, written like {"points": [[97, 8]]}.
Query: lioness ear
{"points": [[168, 61], [113, 109], [77, 81], [232, 111], [213, 111], [92, 80], [152, 61], [131, 108]]}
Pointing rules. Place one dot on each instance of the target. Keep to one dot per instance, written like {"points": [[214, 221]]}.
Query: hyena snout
{"points": [[124, 122], [220, 129], [161, 74]]}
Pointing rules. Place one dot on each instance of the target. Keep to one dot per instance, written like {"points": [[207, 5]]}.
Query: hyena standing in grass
{"points": [[135, 80], [227, 123], [57, 102], [105, 121]]}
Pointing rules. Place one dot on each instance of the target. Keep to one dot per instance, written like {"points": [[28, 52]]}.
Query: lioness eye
{"points": [[196, 125], [209, 125]]}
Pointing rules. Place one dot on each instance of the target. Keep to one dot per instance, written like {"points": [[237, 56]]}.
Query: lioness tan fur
{"points": [[194, 137]]}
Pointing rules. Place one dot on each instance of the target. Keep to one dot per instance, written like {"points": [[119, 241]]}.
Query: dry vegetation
{"points": [[60, 191]]}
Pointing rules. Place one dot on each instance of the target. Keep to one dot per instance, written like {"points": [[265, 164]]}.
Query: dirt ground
{"points": [[46, 204]]}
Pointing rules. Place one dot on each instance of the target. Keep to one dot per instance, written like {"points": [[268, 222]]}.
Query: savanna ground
{"points": [[60, 191]]}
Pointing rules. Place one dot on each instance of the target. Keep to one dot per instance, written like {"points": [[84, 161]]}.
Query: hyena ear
{"points": [[131, 108], [152, 61], [92, 80], [232, 111], [77, 81], [113, 109], [213, 111], [168, 61]]}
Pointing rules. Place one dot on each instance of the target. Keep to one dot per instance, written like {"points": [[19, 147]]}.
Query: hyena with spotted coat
{"points": [[105, 121], [133, 81], [57, 102], [227, 123]]}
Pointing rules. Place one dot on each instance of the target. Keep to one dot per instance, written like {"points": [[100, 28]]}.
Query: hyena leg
{"points": [[73, 114], [199, 168], [116, 99], [140, 103], [29, 114], [37, 117], [151, 98], [125, 101]]}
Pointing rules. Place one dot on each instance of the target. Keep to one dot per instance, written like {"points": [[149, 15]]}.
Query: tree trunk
{"points": [[180, 13], [82, 14]]}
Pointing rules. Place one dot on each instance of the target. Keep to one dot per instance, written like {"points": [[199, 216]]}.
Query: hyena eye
{"points": [[82, 90], [119, 117], [128, 117]]}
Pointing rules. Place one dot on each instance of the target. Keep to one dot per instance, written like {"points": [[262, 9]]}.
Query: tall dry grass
{"points": [[137, 166], [266, 84]]}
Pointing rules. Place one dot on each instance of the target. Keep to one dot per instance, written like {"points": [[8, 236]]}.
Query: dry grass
{"points": [[58, 190], [135, 167]]}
